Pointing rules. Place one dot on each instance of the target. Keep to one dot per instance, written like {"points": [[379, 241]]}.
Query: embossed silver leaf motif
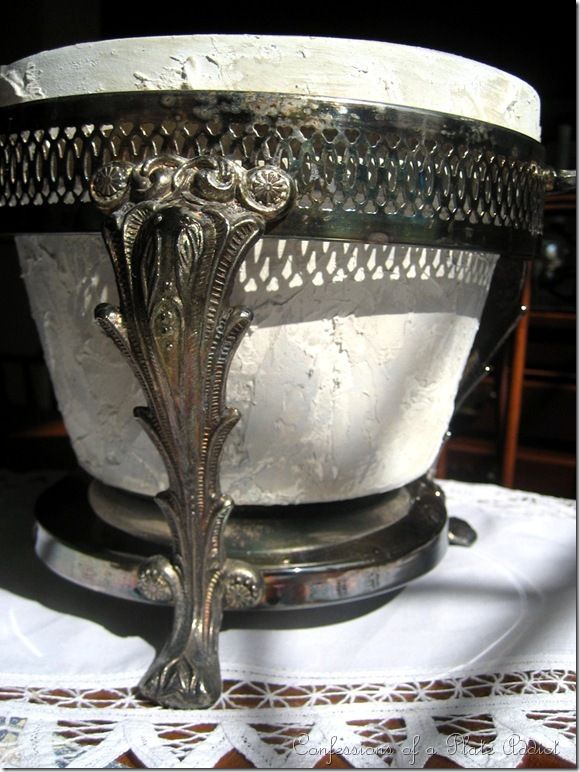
{"points": [[176, 244]]}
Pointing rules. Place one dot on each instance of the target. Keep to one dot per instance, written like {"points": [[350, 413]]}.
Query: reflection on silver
{"points": [[177, 232], [310, 556]]}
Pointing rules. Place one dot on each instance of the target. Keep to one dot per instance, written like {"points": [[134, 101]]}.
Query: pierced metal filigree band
{"points": [[186, 184], [362, 171], [177, 231]]}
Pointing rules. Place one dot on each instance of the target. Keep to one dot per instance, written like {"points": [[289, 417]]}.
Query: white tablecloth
{"points": [[471, 662]]}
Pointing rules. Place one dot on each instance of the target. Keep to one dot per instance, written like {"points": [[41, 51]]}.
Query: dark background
{"points": [[537, 43]]}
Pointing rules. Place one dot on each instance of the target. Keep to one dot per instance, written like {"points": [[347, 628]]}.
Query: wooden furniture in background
{"points": [[518, 427]]}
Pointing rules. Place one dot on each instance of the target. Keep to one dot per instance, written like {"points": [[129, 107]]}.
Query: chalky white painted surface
{"points": [[345, 382], [347, 378], [337, 68]]}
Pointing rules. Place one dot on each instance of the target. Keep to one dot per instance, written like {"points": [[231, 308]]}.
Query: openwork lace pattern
{"points": [[239, 695], [482, 720], [474, 719]]}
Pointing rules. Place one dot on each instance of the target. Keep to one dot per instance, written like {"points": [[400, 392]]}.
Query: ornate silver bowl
{"points": [[365, 236]]}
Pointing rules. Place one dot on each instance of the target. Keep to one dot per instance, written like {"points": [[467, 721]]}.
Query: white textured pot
{"points": [[347, 379]]}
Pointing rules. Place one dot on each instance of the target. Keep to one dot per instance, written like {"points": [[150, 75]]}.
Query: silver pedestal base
{"points": [[308, 555]]}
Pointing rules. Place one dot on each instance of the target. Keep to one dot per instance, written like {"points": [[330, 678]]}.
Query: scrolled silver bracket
{"points": [[177, 231]]}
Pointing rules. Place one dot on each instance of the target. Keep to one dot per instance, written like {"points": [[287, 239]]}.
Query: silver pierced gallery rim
{"points": [[362, 171]]}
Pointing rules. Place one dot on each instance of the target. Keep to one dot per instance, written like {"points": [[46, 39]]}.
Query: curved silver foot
{"points": [[177, 233], [460, 533]]}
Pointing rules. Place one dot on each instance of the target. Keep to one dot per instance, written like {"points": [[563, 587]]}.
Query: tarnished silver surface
{"points": [[315, 555], [269, 533], [363, 171], [560, 180], [187, 183], [177, 231], [461, 534]]}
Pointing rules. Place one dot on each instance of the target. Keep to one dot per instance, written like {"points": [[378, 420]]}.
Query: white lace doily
{"points": [[473, 663]]}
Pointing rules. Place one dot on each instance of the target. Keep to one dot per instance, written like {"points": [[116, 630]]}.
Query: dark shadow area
{"points": [[23, 573], [539, 47], [305, 618]]}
